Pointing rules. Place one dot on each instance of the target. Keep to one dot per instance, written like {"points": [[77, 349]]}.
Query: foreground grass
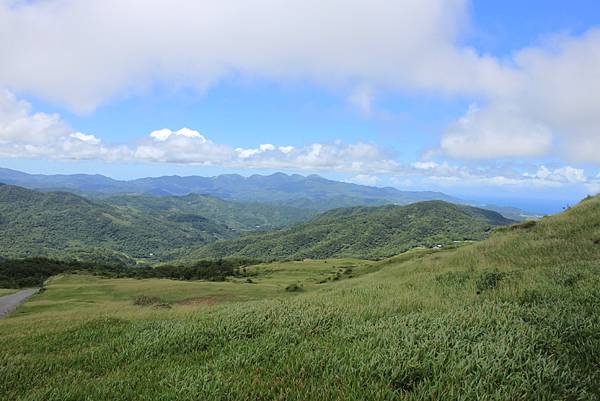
{"points": [[514, 317]]}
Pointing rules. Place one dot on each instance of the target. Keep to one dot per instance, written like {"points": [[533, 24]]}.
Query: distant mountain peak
{"points": [[308, 192]]}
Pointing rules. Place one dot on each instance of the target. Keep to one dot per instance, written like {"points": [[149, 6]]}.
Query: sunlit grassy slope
{"points": [[514, 317]]}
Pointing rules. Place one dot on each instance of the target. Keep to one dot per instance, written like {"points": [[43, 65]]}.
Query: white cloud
{"points": [[27, 134], [286, 149], [365, 179], [19, 125], [85, 138], [182, 146], [365, 161], [554, 106], [425, 165], [266, 147], [161, 134], [165, 133], [190, 133], [565, 174], [495, 132], [82, 53], [246, 153], [336, 156]]}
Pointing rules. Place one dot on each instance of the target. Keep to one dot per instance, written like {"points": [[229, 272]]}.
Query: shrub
{"points": [[294, 288], [145, 300], [526, 225], [489, 280]]}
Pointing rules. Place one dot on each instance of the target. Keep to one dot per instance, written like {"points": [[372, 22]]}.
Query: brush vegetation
{"points": [[514, 317], [32, 272]]}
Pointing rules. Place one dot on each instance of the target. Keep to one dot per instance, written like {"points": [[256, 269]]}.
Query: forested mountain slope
{"points": [[64, 225], [364, 232], [238, 216]]}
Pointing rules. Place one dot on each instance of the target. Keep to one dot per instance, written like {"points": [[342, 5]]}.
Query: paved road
{"points": [[9, 302]]}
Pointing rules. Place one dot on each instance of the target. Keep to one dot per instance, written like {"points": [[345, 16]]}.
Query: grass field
{"points": [[7, 291], [75, 296], [515, 317]]}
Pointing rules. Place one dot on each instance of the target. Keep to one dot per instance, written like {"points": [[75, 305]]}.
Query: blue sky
{"points": [[471, 98]]}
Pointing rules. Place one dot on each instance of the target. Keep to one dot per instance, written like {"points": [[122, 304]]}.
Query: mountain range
{"points": [[306, 192], [134, 228]]}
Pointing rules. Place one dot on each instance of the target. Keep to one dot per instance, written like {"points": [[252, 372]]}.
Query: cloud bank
{"points": [[27, 134], [83, 52]]}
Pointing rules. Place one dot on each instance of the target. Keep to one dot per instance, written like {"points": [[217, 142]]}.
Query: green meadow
{"points": [[513, 317]]}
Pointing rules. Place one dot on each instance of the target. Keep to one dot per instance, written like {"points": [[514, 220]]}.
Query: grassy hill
{"points": [[365, 232], [61, 224], [514, 317]]}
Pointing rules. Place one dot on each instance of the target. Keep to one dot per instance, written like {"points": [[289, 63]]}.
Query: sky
{"points": [[492, 101]]}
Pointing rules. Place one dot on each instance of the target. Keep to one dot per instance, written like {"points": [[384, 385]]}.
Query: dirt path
{"points": [[8, 303]]}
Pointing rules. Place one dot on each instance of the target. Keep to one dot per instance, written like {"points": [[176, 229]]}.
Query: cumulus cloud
{"points": [[19, 125], [182, 146], [165, 133], [365, 161], [337, 156], [554, 106], [88, 138], [514, 176], [83, 52], [27, 134], [265, 147], [495, 132], [286, 149], [24, 133], [565, 174]]}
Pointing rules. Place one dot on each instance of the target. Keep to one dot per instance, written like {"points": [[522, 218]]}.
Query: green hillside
{"points": [[514, 317], [364, 232], [60, 224], [235, 215]]}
